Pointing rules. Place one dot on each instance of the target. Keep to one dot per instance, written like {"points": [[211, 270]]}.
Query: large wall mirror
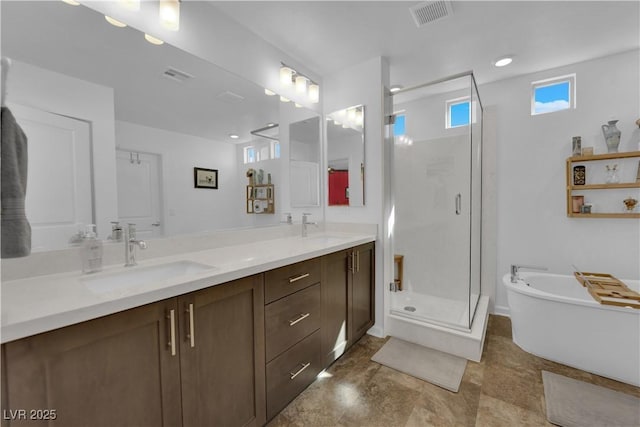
{"points": [[345, 157], [116, 126], [304, 162]]}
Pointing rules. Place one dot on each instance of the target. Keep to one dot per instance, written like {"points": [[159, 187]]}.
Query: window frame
{"points": [[456, 101], [552, 81]]}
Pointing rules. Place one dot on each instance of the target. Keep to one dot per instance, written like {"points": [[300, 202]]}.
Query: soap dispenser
{"points": [[91, 251]]}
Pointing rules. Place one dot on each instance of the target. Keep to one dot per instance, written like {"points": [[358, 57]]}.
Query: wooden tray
{"points": [[608, 290]]}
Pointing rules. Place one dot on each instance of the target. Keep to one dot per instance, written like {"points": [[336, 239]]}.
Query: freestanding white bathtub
{"points": [[554, 317]]}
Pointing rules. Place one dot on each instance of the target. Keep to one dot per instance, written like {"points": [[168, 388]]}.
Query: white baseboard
{"points": [[502, 310], [376, 331]]}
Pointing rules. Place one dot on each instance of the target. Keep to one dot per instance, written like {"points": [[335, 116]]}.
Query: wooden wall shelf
{"points": [[571, 187]]}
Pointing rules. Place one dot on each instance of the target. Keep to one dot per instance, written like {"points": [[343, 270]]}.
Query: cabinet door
{"points": [[222, 355], [362, 292], [117, 370], [334, 306]]}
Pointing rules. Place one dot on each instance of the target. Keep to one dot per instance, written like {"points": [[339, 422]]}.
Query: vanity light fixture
{"points": [[131, 4], [169, 13], [153, 40], [71, 2], [286, 75], [314, 93], [114, 22], [301, 84], [269, 92], [503, 61]]}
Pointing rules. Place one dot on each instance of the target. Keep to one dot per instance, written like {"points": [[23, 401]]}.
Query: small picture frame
{"points": [[205, 178], [576, 203]]}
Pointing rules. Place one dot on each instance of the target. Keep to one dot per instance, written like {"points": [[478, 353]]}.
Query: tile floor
{"points": [[504, 389]]}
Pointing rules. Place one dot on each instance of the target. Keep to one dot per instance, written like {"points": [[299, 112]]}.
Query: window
{"points": [[556, 94], [250, 155], [275, 149], [460, 112], [399, 125]]}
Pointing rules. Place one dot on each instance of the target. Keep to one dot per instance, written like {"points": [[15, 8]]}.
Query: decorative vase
{"points": [[612, 174], [611, 136]]}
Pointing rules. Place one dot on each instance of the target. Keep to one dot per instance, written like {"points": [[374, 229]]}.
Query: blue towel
{"points": [[16, 231]]}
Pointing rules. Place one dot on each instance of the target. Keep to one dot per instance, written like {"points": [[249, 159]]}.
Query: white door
{"points": [[58, 200], [139, 201]]}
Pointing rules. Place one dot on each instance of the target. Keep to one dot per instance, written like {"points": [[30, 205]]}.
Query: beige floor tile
{"points": [[497, 413]]}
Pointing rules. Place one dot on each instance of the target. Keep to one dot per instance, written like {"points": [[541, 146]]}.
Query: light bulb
{"points": [[131, 4], [153, 40], [314, 93], [286, 74], [269, 92], [114, 22], [170, 14], [301, 84]]}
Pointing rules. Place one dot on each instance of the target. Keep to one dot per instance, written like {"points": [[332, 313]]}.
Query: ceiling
{"points": [[328, 36]]}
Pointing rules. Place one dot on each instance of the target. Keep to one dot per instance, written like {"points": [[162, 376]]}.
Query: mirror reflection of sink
{"points": [[142, 275]]}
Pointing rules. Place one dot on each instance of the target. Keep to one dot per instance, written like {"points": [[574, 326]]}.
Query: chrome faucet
{"points": [[515, 268], [306, 222], [130, 244]]}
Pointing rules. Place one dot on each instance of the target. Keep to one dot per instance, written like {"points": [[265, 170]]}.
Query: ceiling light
{"points": [[269, 92], [501, 62], [153, 40], [286, 74], [314, 93], [233, 136], [301, 84], [270, 125], [71, 2], [114, 22], [131, 4], [170, 14], [283, 99], [395, 88]]}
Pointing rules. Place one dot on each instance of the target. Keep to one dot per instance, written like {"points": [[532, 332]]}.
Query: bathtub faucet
{"points": [[515, 268]]}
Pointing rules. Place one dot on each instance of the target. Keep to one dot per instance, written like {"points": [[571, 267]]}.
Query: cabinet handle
{"points": [[357, 261], [172, 332], [302, 317], [299, 371], [300, 277], [191, 335], [458, 204]]}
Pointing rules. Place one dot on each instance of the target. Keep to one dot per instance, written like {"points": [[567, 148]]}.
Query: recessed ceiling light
{"points": [[114, 22], [153, 40], [395, 88], [233, 136], [503, 61], [270, 125]]}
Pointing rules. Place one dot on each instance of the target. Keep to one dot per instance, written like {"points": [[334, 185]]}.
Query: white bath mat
{"points": [[436, 367], [576, 403]]}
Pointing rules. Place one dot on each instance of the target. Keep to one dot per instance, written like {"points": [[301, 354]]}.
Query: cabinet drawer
{"points": [[291, 278], [291, 372], [290, 319]]}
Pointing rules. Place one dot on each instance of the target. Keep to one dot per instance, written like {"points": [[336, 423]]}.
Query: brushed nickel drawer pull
{"points": [[357, 261], [172, 332], [299, 371], [302, 317], [191, 335], [300, 277]]}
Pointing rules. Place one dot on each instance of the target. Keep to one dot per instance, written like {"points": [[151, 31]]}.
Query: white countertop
{"points": [[43, 303]]}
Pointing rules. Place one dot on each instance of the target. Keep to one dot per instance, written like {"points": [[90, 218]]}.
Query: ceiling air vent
{"points": [[424, 13], [230, 97], [177, 75]]}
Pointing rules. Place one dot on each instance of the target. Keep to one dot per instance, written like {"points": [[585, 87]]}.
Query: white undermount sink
{"points": [[133, 276]]}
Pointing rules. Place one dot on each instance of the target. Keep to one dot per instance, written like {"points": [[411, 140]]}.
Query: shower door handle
{"points": [[458, 204]]}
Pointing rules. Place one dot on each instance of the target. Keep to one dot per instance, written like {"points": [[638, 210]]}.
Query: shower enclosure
{"points": [[437, 184]]}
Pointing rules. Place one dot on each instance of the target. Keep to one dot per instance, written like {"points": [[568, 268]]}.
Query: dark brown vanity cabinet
{"points": [[348, 288], [193, 360]]}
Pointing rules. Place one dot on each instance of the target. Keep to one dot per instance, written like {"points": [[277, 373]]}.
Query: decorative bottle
{"points": [[91, 251], [611, 136]]}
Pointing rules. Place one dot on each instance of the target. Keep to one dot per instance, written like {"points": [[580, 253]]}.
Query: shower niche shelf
{"points": [[595, 187]]}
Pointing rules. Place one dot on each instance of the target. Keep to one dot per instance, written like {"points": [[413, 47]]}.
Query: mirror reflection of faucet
{"points": [[305, 223]]}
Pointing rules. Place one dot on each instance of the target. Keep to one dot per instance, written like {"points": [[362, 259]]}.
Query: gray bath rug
{"points": [[436, 367], [576, 403]]}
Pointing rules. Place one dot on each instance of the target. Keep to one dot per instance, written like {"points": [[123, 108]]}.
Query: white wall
{"points": [[364, 84], [532, 224], [60, 94], [188, 209]]}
